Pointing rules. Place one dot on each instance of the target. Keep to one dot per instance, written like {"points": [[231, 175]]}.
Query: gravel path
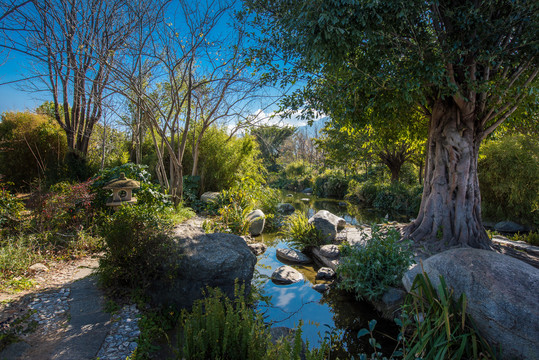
{"points": [[68, 321]]}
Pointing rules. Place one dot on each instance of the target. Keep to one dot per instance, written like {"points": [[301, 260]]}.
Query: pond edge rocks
{"points": [[293, 256]]}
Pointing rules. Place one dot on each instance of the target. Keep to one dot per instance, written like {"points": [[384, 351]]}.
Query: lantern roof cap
{"points": [[122, 183]]}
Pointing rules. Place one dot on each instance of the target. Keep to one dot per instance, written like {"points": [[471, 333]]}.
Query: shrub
{"points": [[148, 194], [33, 140], [138, 244], [298, 233], [531, 238], [389, 197], [235, 204], [331, 184], [10, 210], [368, 270], [220, 328], [17, 254], [67, 207], [509, 179], [223, 160]]}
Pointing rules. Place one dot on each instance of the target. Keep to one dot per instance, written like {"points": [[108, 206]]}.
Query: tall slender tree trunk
{"points": [[450, 212]]}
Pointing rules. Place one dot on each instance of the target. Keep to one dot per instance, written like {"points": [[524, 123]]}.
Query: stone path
{"points": [[70, 323]]}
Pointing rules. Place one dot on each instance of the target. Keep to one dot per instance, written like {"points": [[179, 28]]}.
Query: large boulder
{"points": [[501, 292], [326, 223], [285, 275], [209, 196], [293, 256], [509, 227], [257, 220], [203, 260]]}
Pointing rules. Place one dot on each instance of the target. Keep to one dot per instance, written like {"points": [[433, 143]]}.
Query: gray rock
{"points": [[307, 190], [509, 227], [331, 263], [286, 275], [293, 256], [325, 273], [289, 195], [305, 199], [203, 260], [330, 251], [256, 219], [501, 293], [39, 267], [326, 224], [285, 208], [393, 297], [258, 248], [322, 288], [209, 196]]}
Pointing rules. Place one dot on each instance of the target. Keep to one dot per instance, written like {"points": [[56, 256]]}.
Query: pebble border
{"points": [[51, 309]]}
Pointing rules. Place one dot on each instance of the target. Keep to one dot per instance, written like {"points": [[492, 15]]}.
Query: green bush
{"points": [[223, 160], [138, 243], [368, 270], [33, 146], [148, 194], [531, 238], [10, 211], [298, 233], [233, 206], [390, 197], [509, 179], [220, 328], [331, 184]]}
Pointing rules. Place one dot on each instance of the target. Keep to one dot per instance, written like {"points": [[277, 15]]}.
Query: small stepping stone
{"points": [[325, 273], [293, 256], [321, 288], [285, 275]]}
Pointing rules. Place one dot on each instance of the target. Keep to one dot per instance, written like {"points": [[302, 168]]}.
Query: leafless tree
{"points": [[73, 45]]}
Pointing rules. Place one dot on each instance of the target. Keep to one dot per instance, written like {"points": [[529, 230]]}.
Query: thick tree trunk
{"points": [[450, 212]]}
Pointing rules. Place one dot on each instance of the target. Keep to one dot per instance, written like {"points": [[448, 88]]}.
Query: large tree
{"points": [[467, 64]]}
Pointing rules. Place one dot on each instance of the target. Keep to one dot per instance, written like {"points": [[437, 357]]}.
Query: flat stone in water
{"points": [[285, 275], [293, 256]]}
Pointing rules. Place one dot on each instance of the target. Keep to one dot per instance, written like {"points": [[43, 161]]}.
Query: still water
{"points": [[335, 311]]}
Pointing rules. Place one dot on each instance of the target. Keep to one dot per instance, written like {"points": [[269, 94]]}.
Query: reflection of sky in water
{"points": [[295, 302]]}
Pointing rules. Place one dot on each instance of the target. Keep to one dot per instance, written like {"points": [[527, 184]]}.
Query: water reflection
{"points": [[297, 302]]}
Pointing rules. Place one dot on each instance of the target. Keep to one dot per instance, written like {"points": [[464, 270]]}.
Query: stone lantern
{"points": [[122, 191]]}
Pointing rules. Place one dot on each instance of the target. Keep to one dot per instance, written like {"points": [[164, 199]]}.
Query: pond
{"points": [[335, 311]]}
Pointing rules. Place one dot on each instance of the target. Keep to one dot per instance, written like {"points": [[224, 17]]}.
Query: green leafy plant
{"points": [[368, 270], [148, 193], [221, 328], [138, 244], [299, 233], [510, 197], [435, 324], [390, 197], [10, 210], [531, 238]]}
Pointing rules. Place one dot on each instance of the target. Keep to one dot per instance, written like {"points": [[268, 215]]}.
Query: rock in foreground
{"points": [[502, 295], [200, 261]]}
